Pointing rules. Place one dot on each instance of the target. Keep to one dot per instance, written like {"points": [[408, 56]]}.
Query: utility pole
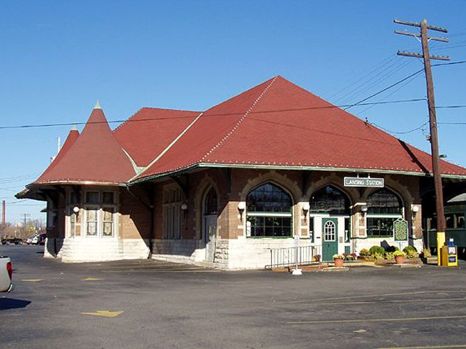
{"points": [[424, 38], [25, 219]]}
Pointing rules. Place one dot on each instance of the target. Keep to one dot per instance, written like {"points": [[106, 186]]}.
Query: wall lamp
{"points": [[241, 208], [414, 210], [364, 209], [184, 206], [305, 208], [76, 209]]}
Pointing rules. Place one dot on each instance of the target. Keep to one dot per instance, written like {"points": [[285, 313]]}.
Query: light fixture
{"points": [[306, 208], [76, 209], [364, 208], [184, 206], [241, 208], [414, 210]]}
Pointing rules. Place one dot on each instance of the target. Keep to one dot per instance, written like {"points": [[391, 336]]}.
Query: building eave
{"points": [[291, 168], [327, 168], [75, 182]]}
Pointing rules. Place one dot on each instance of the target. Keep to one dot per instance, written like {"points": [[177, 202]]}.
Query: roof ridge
{"points": [[168, 147], [220, 143], [126, 121]]}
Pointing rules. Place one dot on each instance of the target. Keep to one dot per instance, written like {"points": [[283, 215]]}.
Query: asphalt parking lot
{"points": [[152, 304]]}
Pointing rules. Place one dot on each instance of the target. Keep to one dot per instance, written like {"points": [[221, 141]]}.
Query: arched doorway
{"points": [[209, 223], [330, 221]]}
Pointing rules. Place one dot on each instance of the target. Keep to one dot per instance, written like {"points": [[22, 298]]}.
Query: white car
{"points": [[6, 273], [35, 240]]}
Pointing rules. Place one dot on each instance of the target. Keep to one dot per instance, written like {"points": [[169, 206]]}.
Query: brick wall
{"points": [[134, 216]]}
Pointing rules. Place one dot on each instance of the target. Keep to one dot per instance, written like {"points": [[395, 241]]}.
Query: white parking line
{"points": [[451, 317]]}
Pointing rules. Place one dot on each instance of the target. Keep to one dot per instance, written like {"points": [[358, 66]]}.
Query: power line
{"points": [[400, 81], [450, 106], [448, 63], [402, 132], [184, 117], [385, 89], [452, 123], [343, 106], [372, 81], [377, 67], [390, 94]]}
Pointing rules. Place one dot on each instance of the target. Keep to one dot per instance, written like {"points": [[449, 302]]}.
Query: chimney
{"points": [[3, 212]]}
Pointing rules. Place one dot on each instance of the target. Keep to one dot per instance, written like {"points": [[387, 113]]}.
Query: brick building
{"points": [[226, 185]]}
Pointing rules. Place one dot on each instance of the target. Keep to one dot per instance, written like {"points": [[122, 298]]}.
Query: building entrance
{"points": [[329, 238]]}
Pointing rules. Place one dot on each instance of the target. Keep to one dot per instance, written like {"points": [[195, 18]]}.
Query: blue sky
{"points": [[58, 58]]}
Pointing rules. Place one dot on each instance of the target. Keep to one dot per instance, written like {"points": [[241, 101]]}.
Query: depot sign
{"points": [[364, 182]]}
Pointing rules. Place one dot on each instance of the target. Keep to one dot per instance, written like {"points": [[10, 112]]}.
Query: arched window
{"points": [[383, 208], [330, 200], [269, 211], [210, 203]]}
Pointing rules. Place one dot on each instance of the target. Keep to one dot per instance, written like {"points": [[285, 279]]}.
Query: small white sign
{"points": [[364, 182]]}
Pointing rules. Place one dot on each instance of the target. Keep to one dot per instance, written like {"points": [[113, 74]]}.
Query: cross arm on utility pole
{"points": [[419, 55], [415, 24], [430, 38]]}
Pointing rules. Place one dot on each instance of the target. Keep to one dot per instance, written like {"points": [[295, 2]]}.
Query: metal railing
{"points": [[288, 256]]}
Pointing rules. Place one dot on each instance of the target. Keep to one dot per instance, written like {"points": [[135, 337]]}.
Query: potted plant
{"points": [[316, 258], [399, 257], [338, 260]]}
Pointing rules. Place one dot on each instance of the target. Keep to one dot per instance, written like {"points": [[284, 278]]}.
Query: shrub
{"points": [[376, 251], [410, 251], [378, 256], [364, 252], [426, 253], [389, 256], [350, 256]]}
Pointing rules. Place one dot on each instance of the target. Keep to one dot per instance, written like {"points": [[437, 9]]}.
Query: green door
{"points": [[329, 238]]}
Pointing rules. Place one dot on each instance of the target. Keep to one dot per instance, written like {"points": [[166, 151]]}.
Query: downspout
{"points": [[150, 207]]}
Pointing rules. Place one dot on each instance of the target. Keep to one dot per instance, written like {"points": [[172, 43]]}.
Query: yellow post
{"points": [[440, 243]]}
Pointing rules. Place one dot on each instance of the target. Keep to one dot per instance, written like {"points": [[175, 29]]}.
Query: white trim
{"points": [[269, 214], [169, 146], [387, 215]]}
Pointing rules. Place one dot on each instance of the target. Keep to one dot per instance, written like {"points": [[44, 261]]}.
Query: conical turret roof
{"points": [[94, 157]]}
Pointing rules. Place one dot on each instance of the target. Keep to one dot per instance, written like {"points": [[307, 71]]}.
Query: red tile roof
{"points": [[94, 157], [151, 130], [275, 124], [72, 137], [280, 124]]}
